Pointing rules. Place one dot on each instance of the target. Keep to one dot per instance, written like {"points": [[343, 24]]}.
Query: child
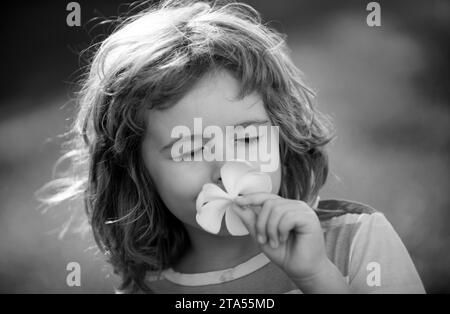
{"points": [[167, 66]]}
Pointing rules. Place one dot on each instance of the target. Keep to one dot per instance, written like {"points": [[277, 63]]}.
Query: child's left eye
{"points": [[249, 140]]}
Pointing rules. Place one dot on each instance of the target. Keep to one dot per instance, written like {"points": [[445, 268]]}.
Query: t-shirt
{"points": [[359, 240]]}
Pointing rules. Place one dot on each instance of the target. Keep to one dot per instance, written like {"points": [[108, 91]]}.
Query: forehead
{"points": [[214, 99]]}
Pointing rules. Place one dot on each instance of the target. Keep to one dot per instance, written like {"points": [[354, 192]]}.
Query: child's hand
{"points": [[289, 232]]}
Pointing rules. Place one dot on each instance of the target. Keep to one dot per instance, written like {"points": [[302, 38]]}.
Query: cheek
{"points": [[178, 184], [172, 179], [276, 180], [181, 181]]}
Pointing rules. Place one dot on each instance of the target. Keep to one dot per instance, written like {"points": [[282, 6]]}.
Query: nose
{"points": [[216, 177]]}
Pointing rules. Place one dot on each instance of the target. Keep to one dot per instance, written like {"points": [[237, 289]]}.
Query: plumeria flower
{"points": [[238, 178]]}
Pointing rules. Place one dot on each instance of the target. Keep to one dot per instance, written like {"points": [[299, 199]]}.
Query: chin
{"points": [[225, 233]]}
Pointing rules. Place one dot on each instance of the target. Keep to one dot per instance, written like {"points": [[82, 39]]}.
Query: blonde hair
{"points": [[149, 62]]}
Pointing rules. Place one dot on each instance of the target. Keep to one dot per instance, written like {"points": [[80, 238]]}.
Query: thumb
{"points": [[247, 216]]}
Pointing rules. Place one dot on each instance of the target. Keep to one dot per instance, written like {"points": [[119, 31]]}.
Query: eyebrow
{"points": [[243, 124], [252, 122]]}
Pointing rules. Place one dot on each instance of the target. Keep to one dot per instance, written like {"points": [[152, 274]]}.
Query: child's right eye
{"points": [[192, 153]]}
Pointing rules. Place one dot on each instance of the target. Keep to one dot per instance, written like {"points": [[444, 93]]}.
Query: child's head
{"points": [[213, 98], [161, 68]]}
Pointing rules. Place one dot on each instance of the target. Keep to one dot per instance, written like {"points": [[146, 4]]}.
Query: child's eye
{"points": [[249, 140], [193, 152]]}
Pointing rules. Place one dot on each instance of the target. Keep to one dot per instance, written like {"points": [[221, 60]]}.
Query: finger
{"points": [[295, 220], [272, 225], [248, 217], [261, 222], [286, 224], [255, 198]]}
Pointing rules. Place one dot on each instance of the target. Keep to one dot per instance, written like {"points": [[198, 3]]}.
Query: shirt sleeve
{"points": [[379, 262]]}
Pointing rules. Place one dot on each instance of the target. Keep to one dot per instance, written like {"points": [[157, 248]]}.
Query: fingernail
{"points": [[261, 239], [273, 244]]}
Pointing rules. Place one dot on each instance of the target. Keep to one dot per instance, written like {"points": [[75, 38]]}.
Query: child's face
{"points": [[214, 99]]}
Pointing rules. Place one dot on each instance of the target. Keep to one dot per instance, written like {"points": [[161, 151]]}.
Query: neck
{"points": [[210, 252]]}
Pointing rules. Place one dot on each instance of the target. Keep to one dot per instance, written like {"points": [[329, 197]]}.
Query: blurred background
{"points": [[385, 87]]}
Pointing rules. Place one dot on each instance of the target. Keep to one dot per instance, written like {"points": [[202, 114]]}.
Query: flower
{"points": [[238, 178]]}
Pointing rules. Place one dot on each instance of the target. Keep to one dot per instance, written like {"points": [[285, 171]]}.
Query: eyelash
{"points": [[248, 140]]}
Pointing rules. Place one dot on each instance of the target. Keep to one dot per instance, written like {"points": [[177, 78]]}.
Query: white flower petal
{"points": [[234, 224], [254, 182], [211, 214], [232, 171], [238, 177], [209, 193]]}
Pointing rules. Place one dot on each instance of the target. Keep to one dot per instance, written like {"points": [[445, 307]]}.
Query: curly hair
{"points": [[149, 62]]}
